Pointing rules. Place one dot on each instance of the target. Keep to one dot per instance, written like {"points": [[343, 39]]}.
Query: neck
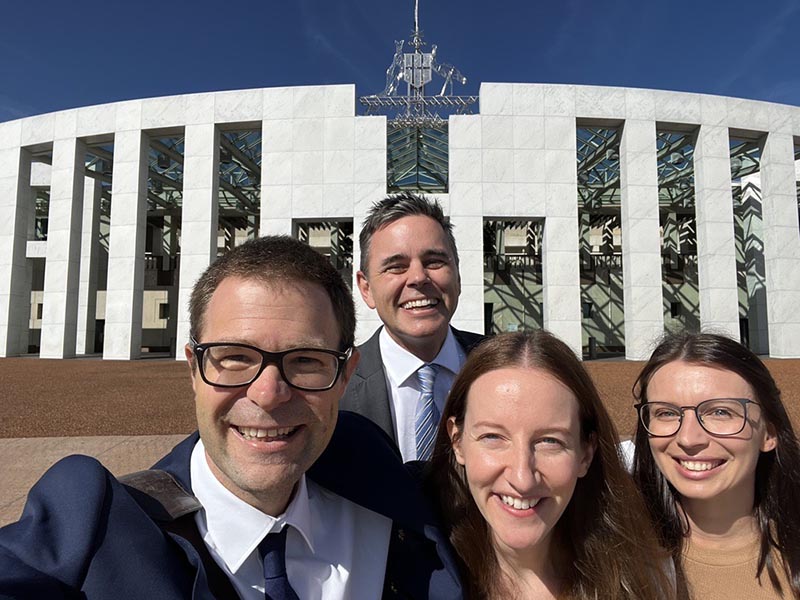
{"points": [[714, 525], [425, 349], [528, 574]]}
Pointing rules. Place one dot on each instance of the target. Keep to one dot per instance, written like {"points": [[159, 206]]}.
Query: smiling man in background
{"points": [[409, 274]]}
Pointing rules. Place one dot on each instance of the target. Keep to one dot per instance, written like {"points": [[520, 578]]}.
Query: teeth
{"points": [[519, 503], [421, 303], [252, 433], [695, 465]]}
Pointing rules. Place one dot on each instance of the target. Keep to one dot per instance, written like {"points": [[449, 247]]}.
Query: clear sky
{"points": [[58, 54]]}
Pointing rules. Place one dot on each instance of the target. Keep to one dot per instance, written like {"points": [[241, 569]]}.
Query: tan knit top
{"points": [[729, 574]]}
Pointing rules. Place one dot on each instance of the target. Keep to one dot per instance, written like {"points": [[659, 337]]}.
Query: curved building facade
{"points": [[602, 214]]}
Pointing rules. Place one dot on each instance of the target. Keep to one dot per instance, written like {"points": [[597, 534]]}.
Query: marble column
{"points": [[199, 217], [781, 244], [90, 249], [716, 247], [641, 247], [125, 290], [63, 258]]}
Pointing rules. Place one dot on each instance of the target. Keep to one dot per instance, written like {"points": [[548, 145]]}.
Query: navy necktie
{"points": [[426, 418], [273, 553]]}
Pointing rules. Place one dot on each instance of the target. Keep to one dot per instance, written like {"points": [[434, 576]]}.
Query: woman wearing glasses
{"points": [[718, 463], [526, 473]]}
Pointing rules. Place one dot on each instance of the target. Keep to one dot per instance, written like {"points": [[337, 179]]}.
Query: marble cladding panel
{"points": [[640, 168], [560, 167], [468, 231], [276, 226], [169, 111], [364, 195], [779, 209], [676, 107], [196, 234], [561, 234], [338, 166], [746, 114], [200, 173], [309, 102], [783, 275], [239, 106], [469, 197], [340, 101], [498, 199], [307, 201], [369, 166], [308, 134], [562, 200], [497, 165], [66, 124], [640, 202], [276, 168], [562, 301], [471, 263], [719, 309], [716, 237], [559, 100], [465, 131], [124, 242], [778, 149], [200, 140], [37, 130], [370, 133], [640, 104], [780, 117], [568, 330], [781, 240], [528, 99], [529, 166], [10, 135], [469, 314], [638, 136], [559, 134], [496, 99], [465, 165], [129, 116], [529, 199], [200, 109], [712, 173], [642, 265], [713, 110], [337, 200], [719, 269], [278, 103], [497, 131], [277, 135], [600, 102], [783, 341], [528, 132], [339, 133]]}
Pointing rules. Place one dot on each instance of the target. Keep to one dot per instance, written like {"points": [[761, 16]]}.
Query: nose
{"points": [[417, 273], [269, 389], [521, 471], [691, 434]]}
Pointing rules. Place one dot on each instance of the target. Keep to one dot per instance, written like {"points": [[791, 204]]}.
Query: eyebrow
{"points": [[432, 253]]}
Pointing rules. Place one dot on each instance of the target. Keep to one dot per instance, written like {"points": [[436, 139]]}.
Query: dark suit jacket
{"points": [[85, 535], [366, 393]]}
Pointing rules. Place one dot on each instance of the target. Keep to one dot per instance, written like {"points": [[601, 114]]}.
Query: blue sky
{"points": [[57, 54]]}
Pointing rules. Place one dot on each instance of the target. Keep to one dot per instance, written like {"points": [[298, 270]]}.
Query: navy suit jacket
{"points": [[83, 534], [366, 393]]}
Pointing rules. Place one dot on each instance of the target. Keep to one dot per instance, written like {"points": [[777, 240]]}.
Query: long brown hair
{"points": [[777, 493], [603, 541]]}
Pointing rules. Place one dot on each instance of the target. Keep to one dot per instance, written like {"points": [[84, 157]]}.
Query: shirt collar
{"points": [[400, 364], [235, 528]]}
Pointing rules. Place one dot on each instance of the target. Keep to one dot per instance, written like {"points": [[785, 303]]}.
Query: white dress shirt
{"points": [[335, 549], [402, 383]]}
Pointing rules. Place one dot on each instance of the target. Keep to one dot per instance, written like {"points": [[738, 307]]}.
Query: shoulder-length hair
{"points": [[777, 493], [603, 542]]}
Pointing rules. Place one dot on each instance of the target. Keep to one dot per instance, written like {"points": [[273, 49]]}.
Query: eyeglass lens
{"points": [[718, 416], [238, 365]]}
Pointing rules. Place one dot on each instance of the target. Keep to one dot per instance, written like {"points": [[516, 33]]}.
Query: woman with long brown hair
{"points": [[527, 475], [718, 463]]}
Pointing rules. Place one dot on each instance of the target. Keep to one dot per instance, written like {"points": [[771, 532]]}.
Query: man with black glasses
{"points": [[273, 498]]}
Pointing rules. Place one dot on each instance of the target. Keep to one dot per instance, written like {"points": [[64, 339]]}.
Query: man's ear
{"points": [[350, 367], [364, 288], [455, 435], [192, 360]]}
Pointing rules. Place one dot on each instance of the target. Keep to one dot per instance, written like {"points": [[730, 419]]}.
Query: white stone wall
{"points": [[515, 158]]}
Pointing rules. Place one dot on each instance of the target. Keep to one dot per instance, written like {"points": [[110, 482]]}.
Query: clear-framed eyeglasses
{"points": [[228, 364], [718, 416]]}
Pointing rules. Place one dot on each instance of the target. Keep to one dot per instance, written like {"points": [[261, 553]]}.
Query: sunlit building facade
{"points": [[605, 215]]}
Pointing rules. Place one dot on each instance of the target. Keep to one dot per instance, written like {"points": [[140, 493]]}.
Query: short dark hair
{"points": [[605, 510], [395, 207], [777, 484], [275, 259]]}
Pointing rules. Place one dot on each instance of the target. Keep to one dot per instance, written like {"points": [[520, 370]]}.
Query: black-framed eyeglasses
{"points": [[228, 364], [718, 416]]}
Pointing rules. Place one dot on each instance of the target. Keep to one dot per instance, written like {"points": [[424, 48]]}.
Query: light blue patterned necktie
{"points": [[426, 418]]}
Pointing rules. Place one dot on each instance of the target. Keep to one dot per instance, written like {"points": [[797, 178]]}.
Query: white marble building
{"points": [[515, 159]]}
